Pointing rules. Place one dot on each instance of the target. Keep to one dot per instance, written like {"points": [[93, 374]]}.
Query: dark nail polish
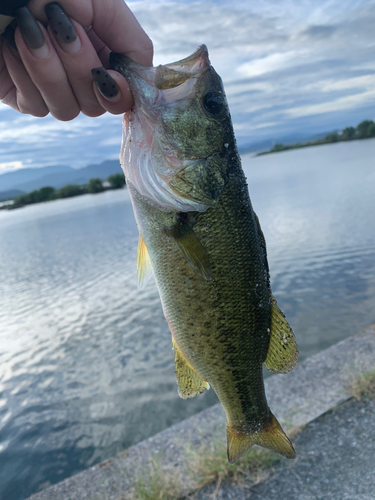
{"points": [[31, 32], [8, 35], [104, 82], [60, 23]]}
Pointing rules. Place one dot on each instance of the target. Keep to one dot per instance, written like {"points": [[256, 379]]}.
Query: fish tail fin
{"points": [[271, 437]]}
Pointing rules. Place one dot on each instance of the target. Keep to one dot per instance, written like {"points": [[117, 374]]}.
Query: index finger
{"points": [[112, 21], [122, 32]]}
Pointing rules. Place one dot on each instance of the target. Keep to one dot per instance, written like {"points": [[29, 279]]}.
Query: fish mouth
{"points": [[168, 75], [146, 83]]}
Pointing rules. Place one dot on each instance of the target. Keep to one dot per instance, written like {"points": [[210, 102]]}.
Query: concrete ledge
{"points": [[315, 386]]}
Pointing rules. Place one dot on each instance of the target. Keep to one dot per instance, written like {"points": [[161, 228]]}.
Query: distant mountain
{"points": [[255, 146], [10, 195], [11, 180], [269, 143], [57, 176]]}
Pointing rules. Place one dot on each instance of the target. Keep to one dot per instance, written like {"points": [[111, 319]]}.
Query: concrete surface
{"points": [[314, 387], [335, 460]]}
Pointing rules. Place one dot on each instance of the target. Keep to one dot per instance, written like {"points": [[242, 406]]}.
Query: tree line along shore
{"points": [[48, 193], [364, 130]]}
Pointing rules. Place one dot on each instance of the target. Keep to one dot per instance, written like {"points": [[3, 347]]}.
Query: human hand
{"points": [[51, 69]]}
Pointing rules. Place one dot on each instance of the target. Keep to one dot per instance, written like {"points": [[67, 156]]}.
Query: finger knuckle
{"points": [[149, 46], [29, 109], [41, 113], [93, 113], [65, 115]]}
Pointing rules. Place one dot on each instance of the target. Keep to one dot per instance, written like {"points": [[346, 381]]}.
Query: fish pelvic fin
{"points": [[189, 383], [282, 355], [143, 263], [271, 437]]}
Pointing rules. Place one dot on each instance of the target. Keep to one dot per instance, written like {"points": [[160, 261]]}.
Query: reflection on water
{"points": [[86, 367], [316, 208]]}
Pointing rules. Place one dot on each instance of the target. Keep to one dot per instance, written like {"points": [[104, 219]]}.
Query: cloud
{"points": [[41, 142], [273, 62], [319, 32], [12, 165], [288, 66], [347, 102], [247, 126]]}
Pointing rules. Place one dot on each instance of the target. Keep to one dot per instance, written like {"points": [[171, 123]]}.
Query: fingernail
{"points": [[8, 35], [104, 83], [31, 32], [62, 28]]}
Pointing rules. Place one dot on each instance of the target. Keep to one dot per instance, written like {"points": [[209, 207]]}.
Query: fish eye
{"points": [[213, 103]]}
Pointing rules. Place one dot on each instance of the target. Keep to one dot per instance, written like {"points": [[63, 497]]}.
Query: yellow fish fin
{"points": [[282, 355], [271, 437], [143, 263], [189, 383], [189, 244]]}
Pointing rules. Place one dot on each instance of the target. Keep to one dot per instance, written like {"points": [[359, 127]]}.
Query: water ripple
{"points": [[86, 366]]}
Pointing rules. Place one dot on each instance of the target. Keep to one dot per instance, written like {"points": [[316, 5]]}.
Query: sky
{"points": [[289, 67]]}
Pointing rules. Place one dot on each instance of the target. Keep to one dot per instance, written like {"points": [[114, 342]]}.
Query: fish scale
{"points": [[202, 240]]}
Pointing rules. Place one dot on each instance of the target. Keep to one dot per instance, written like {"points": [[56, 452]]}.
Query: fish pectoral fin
{"points": [[189, 383], [143, 263], [271, 437], [189, 244], [202, 182], [282, 355]]}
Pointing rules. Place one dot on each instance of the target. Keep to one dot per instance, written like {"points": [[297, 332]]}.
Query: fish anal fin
{"points": [[143, 263], [271, 436], [282, 355], [193, 250], [189, 383]]}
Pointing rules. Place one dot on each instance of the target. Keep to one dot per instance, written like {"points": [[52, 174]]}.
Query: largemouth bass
{"points": [[201, 239]]}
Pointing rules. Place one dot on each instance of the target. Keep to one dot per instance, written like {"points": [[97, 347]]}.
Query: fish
{"points": [[201, 240]]}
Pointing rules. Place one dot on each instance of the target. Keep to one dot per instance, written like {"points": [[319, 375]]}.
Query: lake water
{"points": [[86, 366]]}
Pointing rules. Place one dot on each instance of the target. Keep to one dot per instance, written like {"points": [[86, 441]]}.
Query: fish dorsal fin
{"points": [[271, 437], [282, 355], [143, 263], [189, 383], [189, 244]]}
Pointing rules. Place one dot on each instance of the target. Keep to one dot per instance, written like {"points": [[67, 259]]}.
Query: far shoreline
{"points": [[48, 193], [364, 130]]}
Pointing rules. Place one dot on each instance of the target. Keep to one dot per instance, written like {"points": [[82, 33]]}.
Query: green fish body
{"points": [[201, 239]]}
